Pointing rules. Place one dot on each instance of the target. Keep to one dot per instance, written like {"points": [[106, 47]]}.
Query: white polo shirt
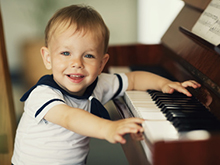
{"points": [[40, 142]]}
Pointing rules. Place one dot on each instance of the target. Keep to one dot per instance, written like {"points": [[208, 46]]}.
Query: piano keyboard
{"points": [[168, 116]]}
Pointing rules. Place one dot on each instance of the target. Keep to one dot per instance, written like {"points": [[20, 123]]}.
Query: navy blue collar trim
{"points": [[48, 80]]}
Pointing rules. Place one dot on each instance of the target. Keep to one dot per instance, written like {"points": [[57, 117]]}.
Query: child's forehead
{"points": [[73, 29], [62, 36], [62, 29]]}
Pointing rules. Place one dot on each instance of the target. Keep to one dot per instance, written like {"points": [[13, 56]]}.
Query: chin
{"points": [[75, 92]]}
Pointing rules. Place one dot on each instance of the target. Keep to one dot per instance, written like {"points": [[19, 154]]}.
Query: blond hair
{"points": [[84, 17]]}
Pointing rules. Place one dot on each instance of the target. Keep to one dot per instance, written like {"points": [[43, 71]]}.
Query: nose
{"points": [[77, 63]]}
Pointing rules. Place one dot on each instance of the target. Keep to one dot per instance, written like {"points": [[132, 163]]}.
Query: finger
{"points": [[137, 136], [119, 139], [129, 129], [168, 89], [135, 120], [136, 126], [191, 83], [184, 91], [178, 87]]}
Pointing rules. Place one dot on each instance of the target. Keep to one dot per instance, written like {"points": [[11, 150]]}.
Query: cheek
{"points": [[93, 67], [91, 63], [57, 64]]}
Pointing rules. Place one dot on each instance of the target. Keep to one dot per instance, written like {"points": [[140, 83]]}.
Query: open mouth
{"points": [[76, 77]]}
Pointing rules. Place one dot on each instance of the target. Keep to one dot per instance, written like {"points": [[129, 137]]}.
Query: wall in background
{"points": [[154, 17], [25, 20], [129, 21]]}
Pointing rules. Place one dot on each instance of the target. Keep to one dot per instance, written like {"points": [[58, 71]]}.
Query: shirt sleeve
{"points": [[110, 86], [41, 100]]}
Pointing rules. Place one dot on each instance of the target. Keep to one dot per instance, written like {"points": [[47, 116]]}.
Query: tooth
{"points": [[75, 76]]}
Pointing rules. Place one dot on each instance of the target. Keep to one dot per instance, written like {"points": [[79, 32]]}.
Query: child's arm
{"points": [[85, 123], [140, 80]]}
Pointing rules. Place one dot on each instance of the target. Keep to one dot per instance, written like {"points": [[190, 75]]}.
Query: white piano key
{"points": [[143, 101], [160, 130], [156, 126], [148, 109], [153, 116], [145, 105], [138, 94]]}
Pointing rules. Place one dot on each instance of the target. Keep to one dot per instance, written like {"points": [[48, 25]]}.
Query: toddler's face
{"points": [[76, 59]]}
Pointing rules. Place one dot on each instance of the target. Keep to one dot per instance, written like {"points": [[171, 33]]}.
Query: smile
{"points": [[75, 76]]}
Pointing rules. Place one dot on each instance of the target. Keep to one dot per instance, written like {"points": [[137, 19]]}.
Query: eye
{"points": [[89, 56], [65, 53]]}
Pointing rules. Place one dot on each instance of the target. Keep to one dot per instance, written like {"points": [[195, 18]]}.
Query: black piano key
{"points": [[188, 115], [209, 123], [151, 91], [181, 106], [160, 99], [156, 96], [178, 122], [180, 102], [166, 109], [184, 128], [186, 99], [171, 119], [174, 94], [185, 113], [185, 110]]}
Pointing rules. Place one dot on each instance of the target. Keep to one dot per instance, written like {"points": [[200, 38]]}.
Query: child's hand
{"points": [[117, 129], [137, 136], [180, 87]]}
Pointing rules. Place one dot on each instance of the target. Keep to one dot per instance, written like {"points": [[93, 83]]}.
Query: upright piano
{"points": [[178, 130]]}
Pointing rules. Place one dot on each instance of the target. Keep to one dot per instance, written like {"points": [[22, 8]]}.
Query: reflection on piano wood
{"points": [[172, 136]]}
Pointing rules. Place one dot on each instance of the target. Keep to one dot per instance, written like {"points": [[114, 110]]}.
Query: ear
{"points": [[103, 62], [46, 57]]}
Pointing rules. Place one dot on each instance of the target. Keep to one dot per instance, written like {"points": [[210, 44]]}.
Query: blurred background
{"points": [[129, 22]]}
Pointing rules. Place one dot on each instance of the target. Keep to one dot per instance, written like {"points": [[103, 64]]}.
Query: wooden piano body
{"points": [[185, 56], [7, 112]]}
